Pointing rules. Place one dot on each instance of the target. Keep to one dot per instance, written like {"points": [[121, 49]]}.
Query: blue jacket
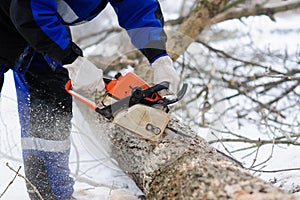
{"points": [[44, 24]]}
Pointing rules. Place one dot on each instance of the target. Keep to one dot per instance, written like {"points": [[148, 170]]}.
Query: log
{"points": [[178, 166]]}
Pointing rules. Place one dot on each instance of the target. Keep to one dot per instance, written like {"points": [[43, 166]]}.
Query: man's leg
{"points": [[45, 111]]}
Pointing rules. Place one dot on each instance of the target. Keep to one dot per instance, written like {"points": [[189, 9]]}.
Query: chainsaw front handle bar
{"points": [[178, 96]]}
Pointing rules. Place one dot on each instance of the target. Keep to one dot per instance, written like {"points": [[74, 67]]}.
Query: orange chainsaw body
{"points": [[122, 86]]}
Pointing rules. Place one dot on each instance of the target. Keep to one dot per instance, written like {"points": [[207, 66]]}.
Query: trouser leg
{"points": [[45, 111]]}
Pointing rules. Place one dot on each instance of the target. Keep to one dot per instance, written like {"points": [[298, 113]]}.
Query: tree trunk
{"points": [[178, 167]]}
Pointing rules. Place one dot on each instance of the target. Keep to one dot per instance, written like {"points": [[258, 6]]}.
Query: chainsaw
{"points": [[131, 103]]}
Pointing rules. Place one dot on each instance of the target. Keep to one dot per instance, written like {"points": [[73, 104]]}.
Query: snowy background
{"points": [[90, 163]]}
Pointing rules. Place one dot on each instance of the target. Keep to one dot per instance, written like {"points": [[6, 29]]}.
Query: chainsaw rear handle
{"points": [[104, 112], [81, 98]]}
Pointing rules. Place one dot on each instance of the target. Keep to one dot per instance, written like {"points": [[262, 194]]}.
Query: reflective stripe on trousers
{"points": [[39, 144]]}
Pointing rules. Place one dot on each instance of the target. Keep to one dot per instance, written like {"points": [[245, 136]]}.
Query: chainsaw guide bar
{"points": [[133, 104]]}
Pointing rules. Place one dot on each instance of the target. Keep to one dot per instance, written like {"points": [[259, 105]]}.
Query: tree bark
{"points": [[178, 167]]}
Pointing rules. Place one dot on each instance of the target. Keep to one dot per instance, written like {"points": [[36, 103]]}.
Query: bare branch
{"points": [[35, 190], [105, 33], [11, 182], [256, 10], [257, 142], [275, 171]]}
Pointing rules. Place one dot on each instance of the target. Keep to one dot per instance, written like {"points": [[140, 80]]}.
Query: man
{"points": [[36, 44]]}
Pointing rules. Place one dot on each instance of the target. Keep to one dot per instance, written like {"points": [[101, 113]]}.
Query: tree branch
{"points": [[255, 11], [275, 171], [257, 142], [35, 190], [11, 182]]}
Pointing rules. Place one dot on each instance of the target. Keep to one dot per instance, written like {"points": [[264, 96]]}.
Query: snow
{"points": [[97, 174]]}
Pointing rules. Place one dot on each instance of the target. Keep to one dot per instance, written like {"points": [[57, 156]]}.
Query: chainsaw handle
{"points": [[156, 88], [86, 101], [138, 94]]}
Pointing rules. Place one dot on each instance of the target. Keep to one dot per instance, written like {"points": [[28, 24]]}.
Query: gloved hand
{"points": [[85, 75], [164, 71]]}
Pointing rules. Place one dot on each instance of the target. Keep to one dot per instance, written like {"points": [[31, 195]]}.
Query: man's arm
{"points": [[38, 23], [143, 21]]}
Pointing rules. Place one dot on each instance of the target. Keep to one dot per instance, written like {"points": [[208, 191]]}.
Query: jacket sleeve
{"points": [[144, 22], [38, 23]]}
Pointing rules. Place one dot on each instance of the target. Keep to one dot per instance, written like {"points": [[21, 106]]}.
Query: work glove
{"points": [[85, 75], [164, 71]]}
